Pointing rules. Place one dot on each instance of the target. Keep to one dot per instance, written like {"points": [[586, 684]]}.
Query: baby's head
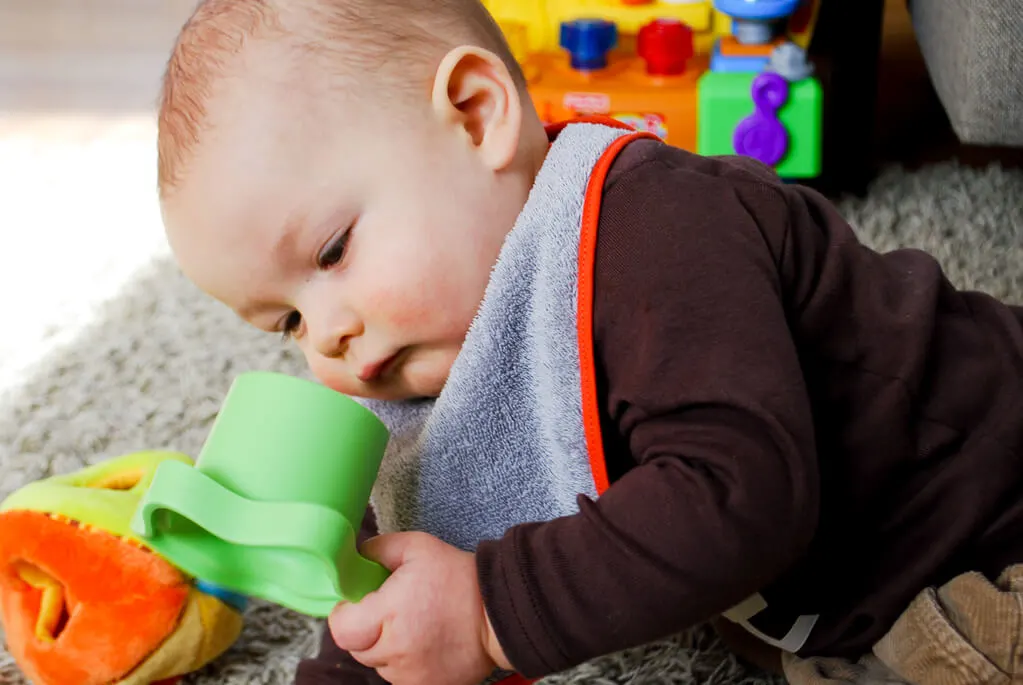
{"points": [[345, 172]]}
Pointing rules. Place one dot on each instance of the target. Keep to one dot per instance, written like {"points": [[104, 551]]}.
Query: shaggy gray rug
{"points": [[147, 368]]}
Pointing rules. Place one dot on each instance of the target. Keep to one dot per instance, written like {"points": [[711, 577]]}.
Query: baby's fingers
{"points": [[356, 627], [392, 550]]}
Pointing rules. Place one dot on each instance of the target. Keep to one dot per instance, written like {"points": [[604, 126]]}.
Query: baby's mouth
{"points": [[376, 370]]}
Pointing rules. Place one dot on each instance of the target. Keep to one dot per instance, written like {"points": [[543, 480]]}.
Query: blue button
{"points": [[588, 41]]}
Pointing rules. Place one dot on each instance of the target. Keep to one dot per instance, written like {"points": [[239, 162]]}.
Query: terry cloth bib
{"points": [[504, 443], [514, 436]]}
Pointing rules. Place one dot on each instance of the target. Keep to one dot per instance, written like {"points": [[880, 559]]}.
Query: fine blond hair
{"points": [[398, 42]]}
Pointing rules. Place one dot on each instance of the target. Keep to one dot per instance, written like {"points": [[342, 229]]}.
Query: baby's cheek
{"points": [[407, 306], [428, 299]]}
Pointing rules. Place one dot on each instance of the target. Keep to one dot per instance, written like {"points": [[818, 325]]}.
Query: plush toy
{"points": [[84, 602]]}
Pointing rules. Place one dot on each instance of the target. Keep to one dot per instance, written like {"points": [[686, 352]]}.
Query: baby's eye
{"points": [[291, 324], [334, 252]]}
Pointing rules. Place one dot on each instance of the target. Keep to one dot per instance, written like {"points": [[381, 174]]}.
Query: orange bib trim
{"points": [[584, 315], [587, 262]]}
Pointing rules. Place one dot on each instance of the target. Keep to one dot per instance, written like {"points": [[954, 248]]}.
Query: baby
{"points": [[631, 389]]}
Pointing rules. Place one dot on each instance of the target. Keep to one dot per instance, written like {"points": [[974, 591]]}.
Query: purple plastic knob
{"points": [[761, 135]]}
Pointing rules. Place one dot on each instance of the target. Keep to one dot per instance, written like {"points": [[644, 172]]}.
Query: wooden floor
{"points": [[85, 56], [98, 57]]}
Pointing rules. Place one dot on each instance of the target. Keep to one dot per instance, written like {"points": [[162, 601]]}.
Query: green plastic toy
{"points": [[725, 102], [273, 504]]}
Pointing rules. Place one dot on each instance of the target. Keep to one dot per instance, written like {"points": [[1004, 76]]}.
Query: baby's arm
{"points": [[705, 394]]}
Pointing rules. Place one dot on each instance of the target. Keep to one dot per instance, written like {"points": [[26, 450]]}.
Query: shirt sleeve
{"points": [[332, 666], [703, 398]]}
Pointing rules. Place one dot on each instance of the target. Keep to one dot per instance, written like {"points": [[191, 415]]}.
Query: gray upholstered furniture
{"points": [[974, 54]]}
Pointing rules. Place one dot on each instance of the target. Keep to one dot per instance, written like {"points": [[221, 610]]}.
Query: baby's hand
{"points": [[426, 624]]}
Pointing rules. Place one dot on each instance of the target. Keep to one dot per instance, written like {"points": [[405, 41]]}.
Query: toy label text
{"points": [[648, 122], [588, 103]]}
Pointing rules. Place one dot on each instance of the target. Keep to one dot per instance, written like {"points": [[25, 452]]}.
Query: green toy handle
{"points": [[299, 555]]}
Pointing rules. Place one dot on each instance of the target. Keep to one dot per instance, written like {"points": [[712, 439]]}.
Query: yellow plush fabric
{"points": [[206, 629]]}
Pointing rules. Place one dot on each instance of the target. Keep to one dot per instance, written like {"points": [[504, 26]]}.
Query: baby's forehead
{"points": [[216, 243], [256, 164], [306, 47]]}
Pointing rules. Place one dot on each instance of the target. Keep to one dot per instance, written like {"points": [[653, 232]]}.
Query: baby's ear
{"points": [[475, 92]]}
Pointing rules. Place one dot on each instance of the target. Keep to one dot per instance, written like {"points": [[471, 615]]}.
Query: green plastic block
{"points": [[725, 100]]}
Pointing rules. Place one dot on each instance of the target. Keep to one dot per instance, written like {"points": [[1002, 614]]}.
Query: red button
{"points": [[666, 45]]}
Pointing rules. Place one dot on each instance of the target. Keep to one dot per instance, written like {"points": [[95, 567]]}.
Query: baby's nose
{"points": [[332, 347], [332, 341]]}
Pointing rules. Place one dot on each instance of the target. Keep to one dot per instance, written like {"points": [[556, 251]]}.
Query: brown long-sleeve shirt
{"points": [[784, 411]]}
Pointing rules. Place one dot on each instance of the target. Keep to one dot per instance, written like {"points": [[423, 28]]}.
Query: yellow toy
{"points": [[84, 602], [701, 74], [533, 26]]}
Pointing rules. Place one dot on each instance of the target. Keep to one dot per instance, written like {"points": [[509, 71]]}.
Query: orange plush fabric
{"points": [[81, 606]]}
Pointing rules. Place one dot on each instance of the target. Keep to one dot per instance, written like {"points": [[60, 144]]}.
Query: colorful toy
{"points": [[756, 22], [686, 70], [276, 498], [135, 571], [84, 602], [783, 130]]}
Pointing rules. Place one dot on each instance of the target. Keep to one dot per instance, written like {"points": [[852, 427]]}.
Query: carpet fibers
{"points": [[109, 350]]}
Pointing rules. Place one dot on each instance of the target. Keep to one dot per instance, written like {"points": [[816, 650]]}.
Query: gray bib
{"points": [[504, 442]]}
